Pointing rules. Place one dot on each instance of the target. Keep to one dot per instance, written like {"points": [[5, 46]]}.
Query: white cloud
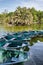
{"points": [[37, 4]]}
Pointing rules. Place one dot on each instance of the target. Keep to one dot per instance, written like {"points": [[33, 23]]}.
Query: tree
{"points": [[40, 16]]}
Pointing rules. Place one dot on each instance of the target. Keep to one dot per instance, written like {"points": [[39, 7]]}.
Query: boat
{"points": [[40, 33], [8, 36], [12, 56], [2, 42], [14, 47]]}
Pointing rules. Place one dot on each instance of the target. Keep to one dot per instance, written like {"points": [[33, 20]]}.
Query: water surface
{"points": [[12, 28], [9, 28]]}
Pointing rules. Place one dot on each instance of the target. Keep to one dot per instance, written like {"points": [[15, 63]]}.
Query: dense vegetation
{"points": [[22, 16]]}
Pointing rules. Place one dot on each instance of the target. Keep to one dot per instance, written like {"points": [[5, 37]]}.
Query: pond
{"points": [[36, 39], [12, 28], [9, 28]]}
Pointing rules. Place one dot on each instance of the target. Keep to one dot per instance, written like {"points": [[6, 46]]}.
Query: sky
{"points": [[11, 5]]}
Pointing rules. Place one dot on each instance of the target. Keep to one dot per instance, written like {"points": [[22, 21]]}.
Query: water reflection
{"points": [[23, 28], [36, 39], [7, 28], [19, 64]]}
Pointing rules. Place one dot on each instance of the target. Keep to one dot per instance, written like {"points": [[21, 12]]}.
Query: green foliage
{"points": [[22, 16]]}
